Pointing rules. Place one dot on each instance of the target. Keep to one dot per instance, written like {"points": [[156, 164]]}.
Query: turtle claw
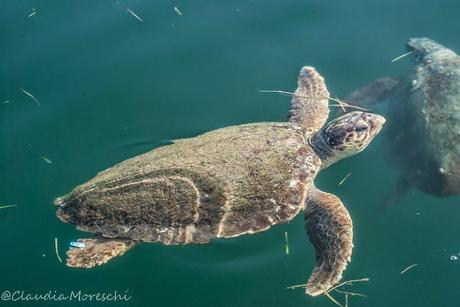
{"points": [[60, 201], [88, 253]]}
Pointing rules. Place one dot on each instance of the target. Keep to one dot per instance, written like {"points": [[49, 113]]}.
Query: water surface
{"points": [[111, 87]]}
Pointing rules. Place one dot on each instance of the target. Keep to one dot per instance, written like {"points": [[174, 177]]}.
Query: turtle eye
{"points": [[416, 55], [361, 128], [331, 141]]}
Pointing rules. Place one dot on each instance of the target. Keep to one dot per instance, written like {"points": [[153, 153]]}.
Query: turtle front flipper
{"points": [[374, 92], [397, 194], [330, 230], [310, 102], [88, 253]]}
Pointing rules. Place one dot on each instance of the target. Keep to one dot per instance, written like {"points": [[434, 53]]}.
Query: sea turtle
{"points": [[422, 140], [228, 182]]}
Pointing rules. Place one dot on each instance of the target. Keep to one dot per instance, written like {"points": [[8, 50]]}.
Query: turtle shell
{"points": [[224, 183]]}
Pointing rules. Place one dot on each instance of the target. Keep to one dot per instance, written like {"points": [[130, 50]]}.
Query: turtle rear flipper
{"points": [[374, 92], [330, 230], [96, 251]]}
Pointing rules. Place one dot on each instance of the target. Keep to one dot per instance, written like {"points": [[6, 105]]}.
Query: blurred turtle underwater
{"points": [[424, 108]]}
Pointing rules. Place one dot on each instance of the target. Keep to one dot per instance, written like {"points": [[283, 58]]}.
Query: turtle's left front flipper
{"points": [[88, 253], [330, 230], [310, 102]]}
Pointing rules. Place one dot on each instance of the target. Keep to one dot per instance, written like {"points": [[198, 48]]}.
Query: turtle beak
{"points": [[60, 201], [376, 122]]}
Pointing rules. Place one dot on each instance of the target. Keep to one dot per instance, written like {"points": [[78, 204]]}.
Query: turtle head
{"points": [[346, 136], [424, 50]]}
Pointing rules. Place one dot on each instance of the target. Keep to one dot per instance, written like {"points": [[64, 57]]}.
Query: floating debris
{"points": [[32, 14], [349, 283], [346, 297], [30, 95], [332, 299], [134, 15], [286, 240], [56, 249], [335, 288], [178, 12], [401, 56], [6, 101], [77, 244], [350, 293], [453, 258], [344, 179], [345, 283], [340, 103], [46, 160], [296, 286], [418, 213], [7, 206], [408, 268]]}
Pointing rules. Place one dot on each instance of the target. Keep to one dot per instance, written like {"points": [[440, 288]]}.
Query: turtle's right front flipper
{"points": [[374, 92], [330, 230], [88, 253]]}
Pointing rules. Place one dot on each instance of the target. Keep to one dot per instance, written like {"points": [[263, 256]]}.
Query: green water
{"points": [[111, 87]]}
